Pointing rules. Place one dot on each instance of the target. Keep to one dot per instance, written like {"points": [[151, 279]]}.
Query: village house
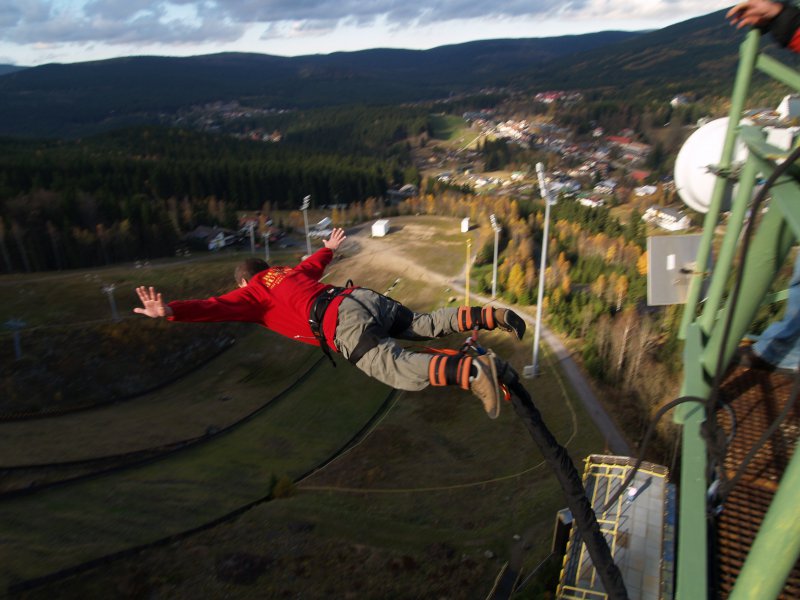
{"points": [[565, 186], [607, 186], [667, 218], [591, 201], [789, 108], [645, 190], [407, 191], [679, 100]]}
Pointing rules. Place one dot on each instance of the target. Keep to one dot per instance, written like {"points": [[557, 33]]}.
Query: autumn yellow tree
{"points": [[516, 283], [620, 291], [641, 264], [598, 286]]}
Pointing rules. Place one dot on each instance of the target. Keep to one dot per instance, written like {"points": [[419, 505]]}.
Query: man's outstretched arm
{"points": [[153, 304], [314, 265]]}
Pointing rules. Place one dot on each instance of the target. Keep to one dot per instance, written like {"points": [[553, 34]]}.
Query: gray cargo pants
{"points": [[387, 361]]}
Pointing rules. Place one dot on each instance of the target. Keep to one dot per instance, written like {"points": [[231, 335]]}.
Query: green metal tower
{"points": [[713, 328]]}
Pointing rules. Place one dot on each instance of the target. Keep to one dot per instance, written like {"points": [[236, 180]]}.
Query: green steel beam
{"points": [[692, 559], [775, 298], [777, 545], [785, 196], [777, 70], [730, 243], [748, 53], [768, 250]]}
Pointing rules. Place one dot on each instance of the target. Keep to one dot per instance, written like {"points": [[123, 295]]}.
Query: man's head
{"points": [[246, 269]]}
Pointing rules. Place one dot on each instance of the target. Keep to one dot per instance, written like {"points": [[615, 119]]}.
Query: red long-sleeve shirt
{"points": [[279, 298]]}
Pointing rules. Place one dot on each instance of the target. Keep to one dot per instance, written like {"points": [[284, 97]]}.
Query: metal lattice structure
{"points": [[713, 329]]}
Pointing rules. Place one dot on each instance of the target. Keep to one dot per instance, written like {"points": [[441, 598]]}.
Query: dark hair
{"points": [[246, 269]]}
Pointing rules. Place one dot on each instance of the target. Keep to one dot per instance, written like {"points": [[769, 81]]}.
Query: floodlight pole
{"points": [[497, 230], [16, 325], [534, 370], [466, 300], [109, 291], [266, 246], [304, 208]]}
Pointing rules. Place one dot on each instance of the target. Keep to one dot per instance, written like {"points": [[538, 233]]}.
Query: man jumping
{"points": [[358, 323]]}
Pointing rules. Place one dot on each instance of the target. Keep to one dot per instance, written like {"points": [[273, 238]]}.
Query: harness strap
{"points": [[470, 317], [445, 369], [317, 314]]}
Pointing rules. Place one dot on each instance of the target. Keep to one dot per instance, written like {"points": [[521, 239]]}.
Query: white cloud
{"points": [[271, 25], [648, 9]]}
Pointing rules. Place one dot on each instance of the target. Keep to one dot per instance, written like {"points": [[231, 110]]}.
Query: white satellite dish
{"points": [[693, 178]]}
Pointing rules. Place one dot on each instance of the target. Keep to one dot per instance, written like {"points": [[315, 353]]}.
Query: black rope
{"points": [[560, 462]]}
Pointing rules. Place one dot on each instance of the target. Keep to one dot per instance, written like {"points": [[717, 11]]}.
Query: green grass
{"points": [[450, 128], [62, 299], [434, 473], [64, 526], [240, 380]]}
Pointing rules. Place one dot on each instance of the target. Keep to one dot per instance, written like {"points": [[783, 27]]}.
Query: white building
{"points": [[592, 202], [607, 186], [380, 228], [667, 218], [645, 190], [789, 107]]}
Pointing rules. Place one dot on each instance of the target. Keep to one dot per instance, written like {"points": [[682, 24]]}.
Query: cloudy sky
{"points": [[34, 32]]}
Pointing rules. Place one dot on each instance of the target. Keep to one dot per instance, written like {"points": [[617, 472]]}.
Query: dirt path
{"points": [[365, 252]]}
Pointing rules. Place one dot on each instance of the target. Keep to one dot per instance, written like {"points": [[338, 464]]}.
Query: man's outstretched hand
{"points": [[337, 237], [153, 303]]}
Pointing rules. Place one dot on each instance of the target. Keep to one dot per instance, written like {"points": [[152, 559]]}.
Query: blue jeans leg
{"points": [[779, 345]]}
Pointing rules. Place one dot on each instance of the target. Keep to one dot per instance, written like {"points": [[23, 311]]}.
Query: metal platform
{"points": [[639, 528], [757, 399]]}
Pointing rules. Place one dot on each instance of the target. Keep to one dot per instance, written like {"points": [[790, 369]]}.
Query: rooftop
{"points": [[639, 528]]}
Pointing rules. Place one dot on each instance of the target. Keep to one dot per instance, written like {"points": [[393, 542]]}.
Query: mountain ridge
{"points": [[71, 100]]}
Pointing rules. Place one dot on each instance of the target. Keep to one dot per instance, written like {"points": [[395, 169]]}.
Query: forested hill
{"points": [[698, 55], [73, 99], [6, 69]]}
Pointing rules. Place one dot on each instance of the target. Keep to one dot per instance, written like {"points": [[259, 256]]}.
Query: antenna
{"points": [[497, 230], [671, 263]]}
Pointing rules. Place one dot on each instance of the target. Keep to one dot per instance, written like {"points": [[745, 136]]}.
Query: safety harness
{"points": [[372, 335], [317, 314]]}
